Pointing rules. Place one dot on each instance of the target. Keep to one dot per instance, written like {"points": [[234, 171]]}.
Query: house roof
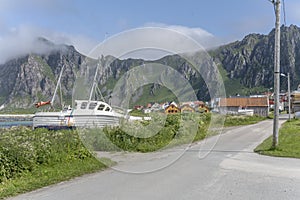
{"points": [[244, 102]]}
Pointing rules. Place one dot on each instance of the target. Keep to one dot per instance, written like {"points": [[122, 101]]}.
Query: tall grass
{"points": [[22, 150], [161, 132]]}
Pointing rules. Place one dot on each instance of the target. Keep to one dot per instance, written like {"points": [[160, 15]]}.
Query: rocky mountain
{"points": [[32, 78], [246, 67], [250, 61]]}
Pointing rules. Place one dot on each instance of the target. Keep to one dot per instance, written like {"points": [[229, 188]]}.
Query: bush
{"points": [[22, 149]]}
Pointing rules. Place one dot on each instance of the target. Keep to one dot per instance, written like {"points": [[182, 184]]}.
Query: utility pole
{"points": [[276, 73]]}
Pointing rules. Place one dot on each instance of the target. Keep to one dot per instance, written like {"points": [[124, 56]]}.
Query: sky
{"points": [[86, 23]]}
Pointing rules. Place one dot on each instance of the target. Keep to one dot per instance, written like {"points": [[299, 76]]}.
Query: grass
{"points": [[31, 159], [163, 131], [46, 175], [233, 120], [289, 141]]}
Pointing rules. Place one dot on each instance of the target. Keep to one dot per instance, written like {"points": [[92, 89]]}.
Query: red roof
{"points": [[244, 102]]}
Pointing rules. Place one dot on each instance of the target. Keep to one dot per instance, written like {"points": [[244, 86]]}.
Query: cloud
{"points": [[203, 37], [20, 41], [154, 41]]}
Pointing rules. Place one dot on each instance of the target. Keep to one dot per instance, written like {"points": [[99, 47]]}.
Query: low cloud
{"points": [[20, 41], [154, 41], [201, 36]]}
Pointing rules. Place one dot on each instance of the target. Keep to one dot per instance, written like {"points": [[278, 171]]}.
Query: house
{"points": [[259, 105], [199, 104], [186, 108], [156, 107], [172, 109], [203, 109], [138, 107]]}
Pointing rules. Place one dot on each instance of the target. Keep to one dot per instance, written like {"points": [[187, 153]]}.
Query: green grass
{"points": [[232, 120], [31, 159], [163, 131], [289, 142], [49, 174]]}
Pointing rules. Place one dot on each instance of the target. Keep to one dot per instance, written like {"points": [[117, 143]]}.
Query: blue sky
{"points": [[84, 23]]}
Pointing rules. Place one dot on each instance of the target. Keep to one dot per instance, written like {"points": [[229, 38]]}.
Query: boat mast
{"points": [[58, 83], [95, 78]]}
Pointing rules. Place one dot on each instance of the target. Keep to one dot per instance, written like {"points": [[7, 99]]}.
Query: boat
{"points": [[85, 114]]}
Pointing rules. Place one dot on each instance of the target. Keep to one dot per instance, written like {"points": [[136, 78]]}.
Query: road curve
{"points": [[229, 171]]}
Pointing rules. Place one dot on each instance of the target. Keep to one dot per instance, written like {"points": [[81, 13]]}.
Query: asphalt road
{"points": [[229, 171]]}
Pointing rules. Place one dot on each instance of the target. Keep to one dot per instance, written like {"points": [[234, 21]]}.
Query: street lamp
{"points": [[289, 92]]}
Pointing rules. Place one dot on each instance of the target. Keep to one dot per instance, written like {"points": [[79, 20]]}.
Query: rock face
{"points": [[251, 60], [32, 78], [244, 64]]}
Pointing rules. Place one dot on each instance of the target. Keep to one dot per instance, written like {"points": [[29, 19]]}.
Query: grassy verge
{"points": [[163, 131], [289, 142], [34, 159], [232, 120], [47, 175]]}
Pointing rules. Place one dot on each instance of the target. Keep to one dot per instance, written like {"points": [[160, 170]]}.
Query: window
{"points": [[83, 105], [101, 107], [92, 105], [107, 109]]}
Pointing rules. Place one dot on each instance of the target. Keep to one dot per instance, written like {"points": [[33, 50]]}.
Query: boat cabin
{"points": [[92, 105]]}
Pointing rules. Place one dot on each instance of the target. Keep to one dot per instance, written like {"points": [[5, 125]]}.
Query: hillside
{"points": [[246, 67], [249, 63]]}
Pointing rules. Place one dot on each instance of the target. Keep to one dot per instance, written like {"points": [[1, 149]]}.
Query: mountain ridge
{"points": [[246, 67]]}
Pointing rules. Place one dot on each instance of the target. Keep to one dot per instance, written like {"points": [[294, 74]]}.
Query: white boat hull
{"points": [[77, 118], [71, 121]]}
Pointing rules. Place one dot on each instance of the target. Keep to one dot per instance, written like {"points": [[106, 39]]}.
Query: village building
{"points": [[203, 109], [235, 105], [186, 108], [172, 109], [156, 107]]}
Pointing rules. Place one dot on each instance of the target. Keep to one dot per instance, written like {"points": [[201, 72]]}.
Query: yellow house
{"points": [[187, 109], [172, 109], [203, 109]]}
